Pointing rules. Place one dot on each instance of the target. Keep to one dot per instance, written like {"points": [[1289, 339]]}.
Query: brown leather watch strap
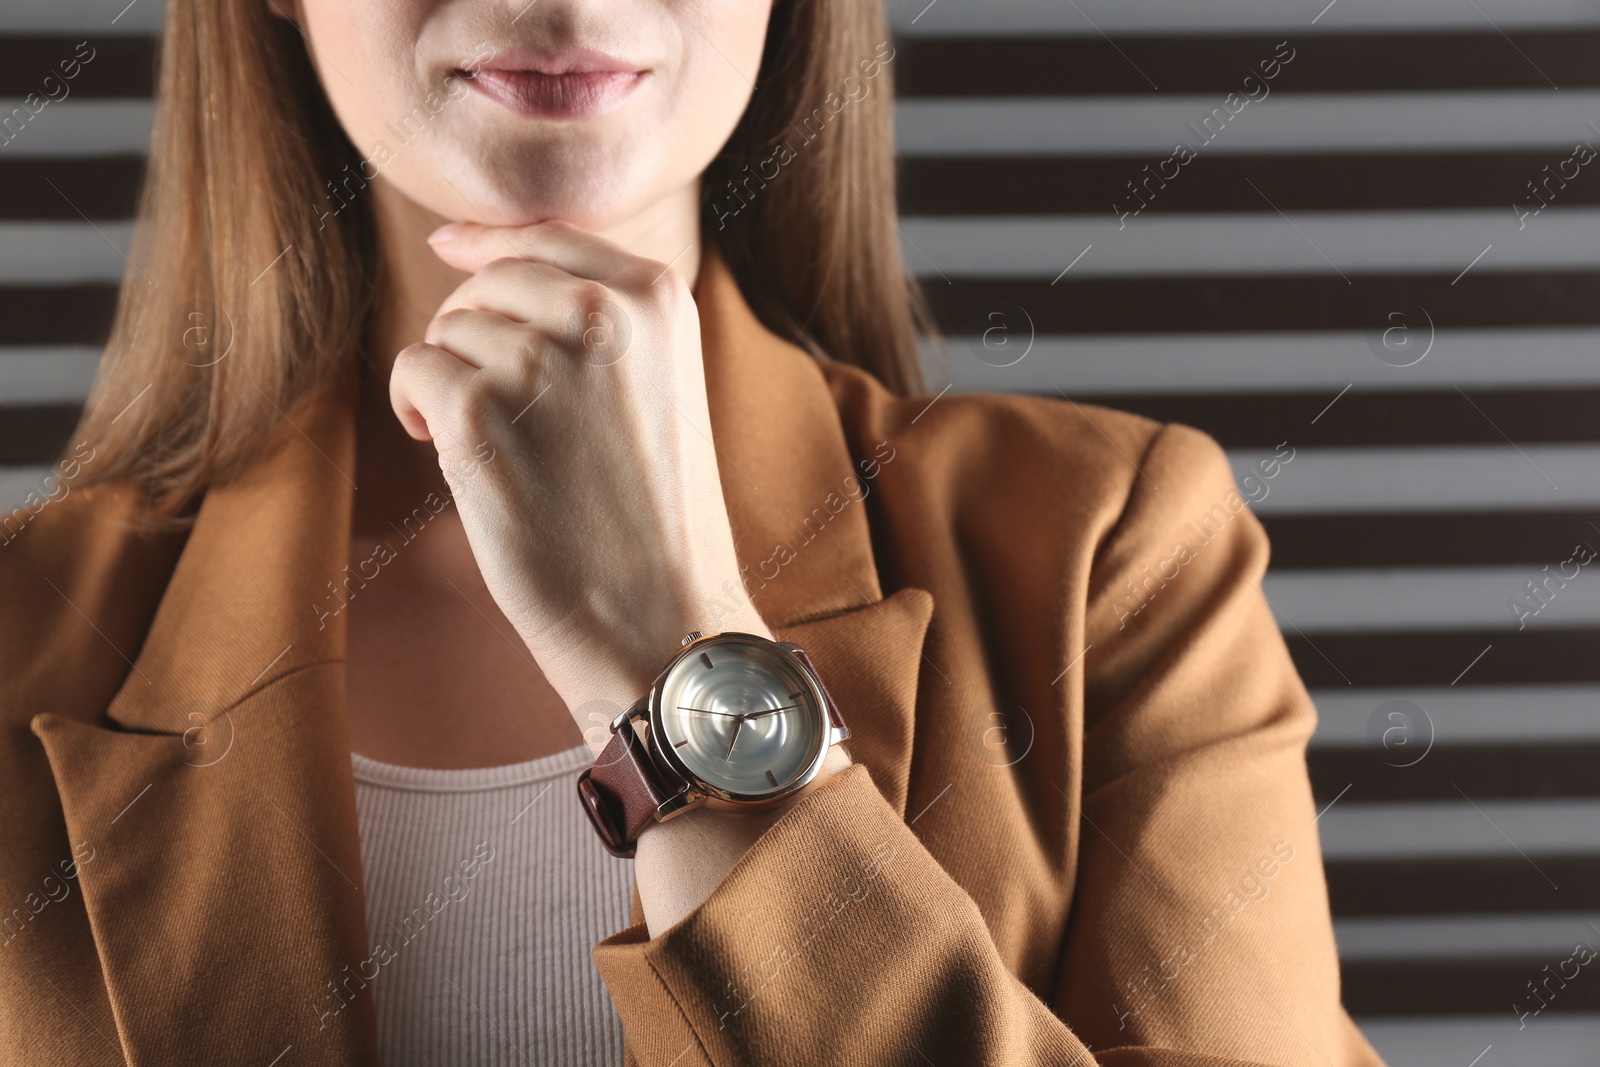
{"points": [[827, 697], [621, 791]]}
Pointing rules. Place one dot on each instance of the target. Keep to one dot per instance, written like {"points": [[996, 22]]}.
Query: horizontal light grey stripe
{"points": [[1548, 1040], [1357, 479], [1319, 243], [1282, 123], [16, 483], [78, 128], [99, 17], [1469, 715], [1229, 16], [1089, 366], [43, 252], [46, 375], [1313, 243], [1433, 598], [1355, 830], [1260, 362], [1549, 937], [1461, 477], [1322, 243]]}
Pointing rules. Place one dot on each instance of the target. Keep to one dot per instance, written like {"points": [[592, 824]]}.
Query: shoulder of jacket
{"points": [[993, 445]]}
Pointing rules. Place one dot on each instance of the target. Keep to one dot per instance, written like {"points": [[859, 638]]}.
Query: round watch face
{"points": [[742, 717]]}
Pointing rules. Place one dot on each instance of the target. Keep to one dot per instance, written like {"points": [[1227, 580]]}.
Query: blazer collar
{"points": [[226, 883]]}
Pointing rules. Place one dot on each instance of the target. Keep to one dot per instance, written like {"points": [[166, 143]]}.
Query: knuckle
{"points": [[507, 268], [412, 353], [591, 297], [445, 322], [666, 287], [410, 359]]}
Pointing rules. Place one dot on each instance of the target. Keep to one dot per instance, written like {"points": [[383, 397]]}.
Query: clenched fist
{"points": [[563, 387]]}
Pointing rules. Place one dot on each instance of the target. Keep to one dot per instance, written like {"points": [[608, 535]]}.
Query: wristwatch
{"points": [[734, 721]]}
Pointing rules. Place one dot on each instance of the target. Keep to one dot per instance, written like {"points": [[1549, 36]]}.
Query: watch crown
{"points": [[692, 635]]}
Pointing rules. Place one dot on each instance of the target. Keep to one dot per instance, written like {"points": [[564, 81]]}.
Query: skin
{"points": [[588, 529]]}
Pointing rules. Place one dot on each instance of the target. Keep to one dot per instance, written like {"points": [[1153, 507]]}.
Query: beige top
{"points": [[486, 890]]}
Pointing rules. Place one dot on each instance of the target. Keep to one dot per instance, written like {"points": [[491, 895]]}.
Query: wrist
{"points": [[690, 816], [617, 668]]}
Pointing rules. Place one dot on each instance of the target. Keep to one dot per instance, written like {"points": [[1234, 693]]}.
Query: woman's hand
{"points": [[563, 387]]}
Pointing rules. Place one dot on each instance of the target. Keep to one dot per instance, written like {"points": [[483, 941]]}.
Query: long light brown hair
{"points": [[232, 254]]}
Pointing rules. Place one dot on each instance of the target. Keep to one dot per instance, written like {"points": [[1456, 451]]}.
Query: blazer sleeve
{"points": [[1201, 916], [870, 953]]}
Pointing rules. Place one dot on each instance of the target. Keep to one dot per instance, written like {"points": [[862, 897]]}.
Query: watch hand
{"points": [[703, 711], [771, 711], [737, 724]]}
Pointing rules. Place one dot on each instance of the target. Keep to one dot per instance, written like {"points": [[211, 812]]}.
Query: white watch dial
{"points": [[742, 717]]}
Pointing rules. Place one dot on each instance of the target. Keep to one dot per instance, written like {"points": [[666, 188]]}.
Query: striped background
{"points": [[1248, 299]]}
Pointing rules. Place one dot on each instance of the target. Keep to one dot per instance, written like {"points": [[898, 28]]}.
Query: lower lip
{"points": [[578, 95]]}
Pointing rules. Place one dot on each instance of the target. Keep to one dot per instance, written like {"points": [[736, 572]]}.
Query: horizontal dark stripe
{"points": [[1087, 65], [100, 187], [34, 436], [104, 186], [1463, 886], [77, 314], [81, 314], [1496, 986], [1379, 658], [1188, 304], [1442, 539], [1355, 181], [1092, 65], [120, 66], [1418, 772], [1447, 417]]}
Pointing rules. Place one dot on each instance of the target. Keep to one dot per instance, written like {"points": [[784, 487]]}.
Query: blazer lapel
{"points": [[225, 889], [798, 502], [224, 892]]}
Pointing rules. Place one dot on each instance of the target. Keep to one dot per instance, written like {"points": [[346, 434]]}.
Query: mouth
{"points": [[572, 84]]}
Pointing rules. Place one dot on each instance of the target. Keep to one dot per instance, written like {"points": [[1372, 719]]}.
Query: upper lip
{"points": [[562, 61]]}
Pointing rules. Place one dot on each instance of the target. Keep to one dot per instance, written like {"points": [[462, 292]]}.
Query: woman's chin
{"points": [[492, 200]]}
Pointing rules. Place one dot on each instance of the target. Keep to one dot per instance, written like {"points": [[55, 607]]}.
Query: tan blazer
{"points": [[1080, 830]]}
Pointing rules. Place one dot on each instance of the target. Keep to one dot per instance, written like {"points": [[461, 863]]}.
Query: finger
{"points": [[552, 303], [480, 338], [470, 246], [517, 289], [421, 386]]}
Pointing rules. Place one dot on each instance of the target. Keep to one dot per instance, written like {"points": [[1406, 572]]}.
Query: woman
{"points": [[585, 323]]}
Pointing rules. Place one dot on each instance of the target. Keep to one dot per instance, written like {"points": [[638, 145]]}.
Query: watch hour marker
{"points": [[706, 660], [771, 778], [680, 744]]}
